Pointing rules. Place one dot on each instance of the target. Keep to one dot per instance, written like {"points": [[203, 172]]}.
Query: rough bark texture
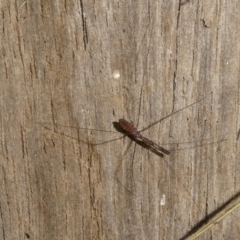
{"points": [[57, 69]]}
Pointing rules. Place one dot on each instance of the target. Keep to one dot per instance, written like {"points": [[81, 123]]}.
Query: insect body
{"points": [[134, 134]]}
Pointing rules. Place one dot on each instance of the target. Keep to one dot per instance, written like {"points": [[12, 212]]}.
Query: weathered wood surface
{"points": [[57, 65]]}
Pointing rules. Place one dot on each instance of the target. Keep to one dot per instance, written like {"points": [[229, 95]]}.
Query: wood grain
{"points": [[57, 77]]}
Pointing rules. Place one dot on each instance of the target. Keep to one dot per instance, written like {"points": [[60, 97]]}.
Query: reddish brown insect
{"points": [[135, 135]]}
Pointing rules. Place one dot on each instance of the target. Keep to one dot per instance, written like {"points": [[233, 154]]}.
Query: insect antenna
{"points": [[156, 122]]}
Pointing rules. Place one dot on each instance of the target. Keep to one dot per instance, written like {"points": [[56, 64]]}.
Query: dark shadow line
{"points": [[139, 107], [209, 217], [184, 2], [238, 135]]}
